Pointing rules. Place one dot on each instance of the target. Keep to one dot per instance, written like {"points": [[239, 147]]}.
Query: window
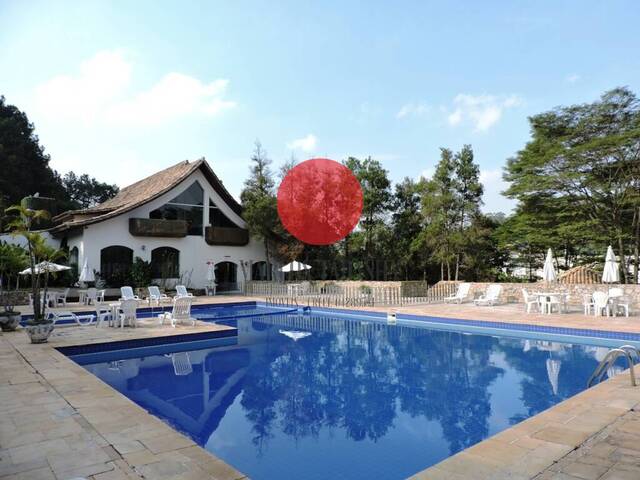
{"points": [[165, 262], [259, 271], [186, 206], [217, 218], [226, 276], [115, 264]]}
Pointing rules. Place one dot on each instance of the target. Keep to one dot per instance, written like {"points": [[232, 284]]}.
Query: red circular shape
{"points": [[319, 201]]}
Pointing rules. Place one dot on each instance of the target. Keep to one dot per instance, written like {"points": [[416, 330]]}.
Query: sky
{"points": [[121, 89]]}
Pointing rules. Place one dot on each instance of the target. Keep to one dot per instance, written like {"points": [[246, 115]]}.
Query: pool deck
{"points": [[58, 421]]}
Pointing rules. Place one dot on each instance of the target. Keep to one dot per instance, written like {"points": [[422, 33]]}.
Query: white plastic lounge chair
{"points": [[181, 291], [181, 363], [461, 294], [587, 303], [601, 304], [621, 302], [128, 312], [530, 301], [126, 293], [180, 312], [491, 296], [155, 296], [59, 316]]}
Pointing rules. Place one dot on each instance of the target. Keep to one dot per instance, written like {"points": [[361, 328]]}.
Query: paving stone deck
{"points": [[58, 421]]}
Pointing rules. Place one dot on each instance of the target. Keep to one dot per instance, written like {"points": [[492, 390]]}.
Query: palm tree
{"points": [[37, 251]]}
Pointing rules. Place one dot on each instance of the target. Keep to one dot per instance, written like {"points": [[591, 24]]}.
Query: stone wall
{"points": [[512, 292]]}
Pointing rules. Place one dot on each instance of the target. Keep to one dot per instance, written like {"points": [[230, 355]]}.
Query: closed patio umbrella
{"points": [[611, 273], [86, 275], [548, 271], [553, 372]]}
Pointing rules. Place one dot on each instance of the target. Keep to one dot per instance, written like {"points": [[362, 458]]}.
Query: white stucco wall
{"points": [[194, 251]]}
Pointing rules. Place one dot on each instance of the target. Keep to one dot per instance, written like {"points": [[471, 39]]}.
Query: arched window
{"points": [[73, 256], [226, 276], [187, 206], [165, 262], [259, 271], [115, 263]]}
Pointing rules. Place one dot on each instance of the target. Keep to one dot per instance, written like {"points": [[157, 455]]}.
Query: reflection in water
{"points": [[320, 397]]}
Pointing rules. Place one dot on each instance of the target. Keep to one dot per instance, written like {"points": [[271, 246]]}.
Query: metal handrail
{"points": [[610, 359]]}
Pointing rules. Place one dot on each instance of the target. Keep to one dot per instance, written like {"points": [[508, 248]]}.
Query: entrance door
{"points": [[226, 277]]}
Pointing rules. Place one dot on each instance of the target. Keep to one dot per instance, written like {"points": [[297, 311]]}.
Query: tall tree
{"points": [[259, 202], [23, 161], [586, 160], [85, 191], [406, 224], [376, 191], [440, 211], [469, 199]]}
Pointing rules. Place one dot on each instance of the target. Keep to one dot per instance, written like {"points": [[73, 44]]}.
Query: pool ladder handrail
{"points": [[610, 358]]}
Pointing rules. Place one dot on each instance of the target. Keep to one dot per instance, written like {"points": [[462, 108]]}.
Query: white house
{"points": [[178, 219]]}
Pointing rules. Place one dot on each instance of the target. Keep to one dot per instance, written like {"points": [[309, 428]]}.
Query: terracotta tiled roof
{"points": [[142, 192], [580, 274]]}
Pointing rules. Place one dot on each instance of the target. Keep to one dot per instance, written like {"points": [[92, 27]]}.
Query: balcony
{"points": [[152, 227], [236, 237]]}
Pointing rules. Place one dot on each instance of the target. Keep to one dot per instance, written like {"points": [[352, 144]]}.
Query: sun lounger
{"points": [[156, 297], [127, 294], [181, 312], [181, 291], [61, 316], [491, 296], [461, 294]]}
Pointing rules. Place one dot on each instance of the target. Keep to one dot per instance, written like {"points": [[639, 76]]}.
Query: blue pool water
{"points": [[325, 396]]}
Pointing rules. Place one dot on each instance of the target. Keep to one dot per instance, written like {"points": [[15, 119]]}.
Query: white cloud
{"points": [[100, 92], [427, 173], [572, 78], [412, 109], [306, 144], [481, 111]]}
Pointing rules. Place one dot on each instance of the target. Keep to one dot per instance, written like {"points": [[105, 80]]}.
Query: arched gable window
{"points": [[189, 206], [115, 263], [165, 262], [217, 218]]}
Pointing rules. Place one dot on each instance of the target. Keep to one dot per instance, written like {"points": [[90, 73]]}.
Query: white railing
{"points": [[336, 295]]}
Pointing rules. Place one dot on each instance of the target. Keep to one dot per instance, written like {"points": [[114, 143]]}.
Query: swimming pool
{"points": [[327, 395]]}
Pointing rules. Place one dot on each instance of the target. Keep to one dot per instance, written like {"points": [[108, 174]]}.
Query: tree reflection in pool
{"points": [[352, 400]]}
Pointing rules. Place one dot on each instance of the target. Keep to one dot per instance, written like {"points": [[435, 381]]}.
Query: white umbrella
{"points": [[45, 267], [548, 271], [553, 372], [86, 275], [295, 266], [611, 273], [294, 334], [211, 273]]}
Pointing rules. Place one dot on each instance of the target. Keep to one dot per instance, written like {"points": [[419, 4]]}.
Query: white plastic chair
{"points": [[103, 313], [91, 296], [620, 301], [530, 301], [181, 291], [100, 296], [126, 293], [128, 312], [491, 296], [601, 304], [155, 296], [461, 294], [587, 303], [61, 299], [180, 312]]}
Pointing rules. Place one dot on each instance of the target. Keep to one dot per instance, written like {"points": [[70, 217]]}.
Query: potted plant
{"points": [[12, 260], [40, 257]]}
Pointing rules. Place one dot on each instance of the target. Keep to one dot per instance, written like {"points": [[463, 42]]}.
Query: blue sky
{"points": [[122, 89]]}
